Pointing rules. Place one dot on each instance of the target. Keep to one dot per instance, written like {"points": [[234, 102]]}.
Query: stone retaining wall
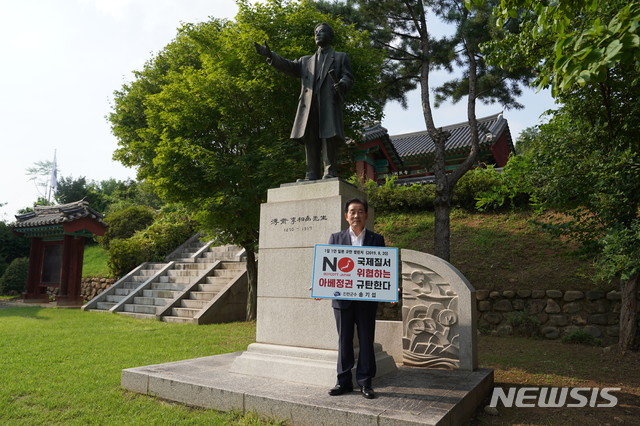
{"points": [[93, 286], [89, 287], [554, 312]]}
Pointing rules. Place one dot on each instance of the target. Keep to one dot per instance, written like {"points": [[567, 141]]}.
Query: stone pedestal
{"points": [[296, 337]]}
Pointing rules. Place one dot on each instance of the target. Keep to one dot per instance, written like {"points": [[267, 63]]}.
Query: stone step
{"points": [[208, 260], [138, 315], [239, 266], [147, 272], [218, 280], [214, 288], [138, 278], [176, 280], [156, 301], [105, 306], [160, 294], [193, 303], [188, 266], [222, 249], [202, 295], [177, 319], [230, 273], [129, 285], [167, 286], [114, 298], [186, 260], [216, 255], [122, 291], [141, 309], [183, 273], [184, 312]]}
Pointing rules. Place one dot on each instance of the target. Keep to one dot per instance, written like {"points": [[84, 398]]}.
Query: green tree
{"points": [[125, 223], [403, 29], [586, 161], [70, 190], [569, 42], [206, 122], [14, 279], [12, 246]]}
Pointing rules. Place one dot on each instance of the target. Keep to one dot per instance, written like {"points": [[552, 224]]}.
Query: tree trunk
{"points": [[442, 228], [628, 313], [252, 285]]}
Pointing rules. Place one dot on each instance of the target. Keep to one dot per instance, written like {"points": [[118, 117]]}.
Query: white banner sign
{"points": [[355, 273]]}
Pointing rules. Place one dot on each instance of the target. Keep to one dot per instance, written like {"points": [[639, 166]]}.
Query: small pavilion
{"points": [[57, 236]]}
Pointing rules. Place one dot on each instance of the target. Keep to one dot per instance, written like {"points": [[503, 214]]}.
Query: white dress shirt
{"points": [[357, 240]]}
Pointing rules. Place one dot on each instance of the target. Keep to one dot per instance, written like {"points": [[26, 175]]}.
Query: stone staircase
{"points": [[140, 274], [198, 280], [197, 299]]}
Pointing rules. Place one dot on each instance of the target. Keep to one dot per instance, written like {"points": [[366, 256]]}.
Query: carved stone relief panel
{"points": [[430, 317]]}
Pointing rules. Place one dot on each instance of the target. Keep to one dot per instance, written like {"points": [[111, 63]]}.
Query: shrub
{"points": [[125, 223], [523, 324], [581, 337], [14, 279], [151, 244], [390, 197], [124, 255], [512, 186], [472, 184]]}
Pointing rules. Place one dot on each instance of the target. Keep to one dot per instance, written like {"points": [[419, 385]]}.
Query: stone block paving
{"points": [[412, 396]]}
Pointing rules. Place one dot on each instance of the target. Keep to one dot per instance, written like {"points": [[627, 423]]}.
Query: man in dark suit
{"points": [[325, 78], [350, 314]]}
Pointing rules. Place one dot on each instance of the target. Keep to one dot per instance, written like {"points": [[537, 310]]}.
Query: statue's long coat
{"points": [[329, 102]]}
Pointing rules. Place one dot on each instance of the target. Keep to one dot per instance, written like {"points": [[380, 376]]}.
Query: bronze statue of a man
{"points": [[325, 77]]}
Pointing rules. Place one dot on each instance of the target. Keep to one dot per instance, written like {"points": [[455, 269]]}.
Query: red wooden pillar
{"points": [[35, 293], [71, 274]]}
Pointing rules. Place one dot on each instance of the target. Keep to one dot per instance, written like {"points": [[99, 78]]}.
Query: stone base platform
{"points": [[410, 396]]}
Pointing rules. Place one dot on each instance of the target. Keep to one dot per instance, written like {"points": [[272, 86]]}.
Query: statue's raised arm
{"points": [[263, 50]]}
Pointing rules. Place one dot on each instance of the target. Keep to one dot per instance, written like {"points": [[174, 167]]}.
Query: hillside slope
{"points": [[496, 251]]}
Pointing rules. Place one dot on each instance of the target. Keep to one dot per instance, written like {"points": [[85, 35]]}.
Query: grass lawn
{"points": [[95, 261], [63, 366]]}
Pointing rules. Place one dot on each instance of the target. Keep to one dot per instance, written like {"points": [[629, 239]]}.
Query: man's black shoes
{"points": [[367, 392], [340, 390]]}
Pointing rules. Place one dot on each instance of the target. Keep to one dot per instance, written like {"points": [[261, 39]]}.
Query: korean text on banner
{"points": [[355, 273]]}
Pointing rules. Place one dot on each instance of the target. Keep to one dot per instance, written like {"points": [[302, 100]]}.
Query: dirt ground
{"points": [[553, 364]]}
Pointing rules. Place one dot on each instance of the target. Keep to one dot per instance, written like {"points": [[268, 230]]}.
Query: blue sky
{"points": [[62, 60]]}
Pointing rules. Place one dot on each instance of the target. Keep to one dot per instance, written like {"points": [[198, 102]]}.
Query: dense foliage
{"points": [[126, 222], [12, 246], [150, 244], [14, 279], [472, 187]]}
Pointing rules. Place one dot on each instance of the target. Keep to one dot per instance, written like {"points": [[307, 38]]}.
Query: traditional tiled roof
{"points": [[376, 131], [420, 144], [55, 215]]}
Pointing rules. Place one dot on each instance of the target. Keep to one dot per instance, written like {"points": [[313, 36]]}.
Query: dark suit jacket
{"points": [[329, 103], [371, 239]]}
